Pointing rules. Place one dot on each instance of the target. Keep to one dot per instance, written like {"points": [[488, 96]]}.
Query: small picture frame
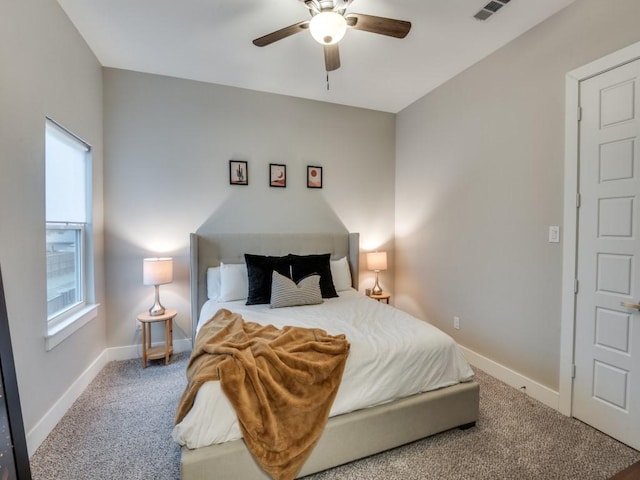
{"points": [[314, 176], [238, 172], [277, 175]]}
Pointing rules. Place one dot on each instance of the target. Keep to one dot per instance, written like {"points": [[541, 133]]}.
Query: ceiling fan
{"points": [[328, 24]]}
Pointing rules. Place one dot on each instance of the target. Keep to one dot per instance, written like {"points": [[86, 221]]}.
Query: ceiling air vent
{"points": [[490, 8]]}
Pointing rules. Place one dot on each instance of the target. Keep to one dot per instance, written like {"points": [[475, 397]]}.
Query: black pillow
{"points": [[304, 265], [259, 271]]}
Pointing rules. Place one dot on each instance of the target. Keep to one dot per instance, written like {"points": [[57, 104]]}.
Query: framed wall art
{"points": [[238, 172], [314, 177], [277, 175]]}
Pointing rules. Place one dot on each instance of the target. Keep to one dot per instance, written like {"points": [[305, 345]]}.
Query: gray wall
{"points": [[169, 142], [477, 182], [479, 178], [47, 70]]}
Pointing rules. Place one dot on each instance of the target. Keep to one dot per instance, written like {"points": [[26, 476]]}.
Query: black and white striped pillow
{"points": [[286, 293]]}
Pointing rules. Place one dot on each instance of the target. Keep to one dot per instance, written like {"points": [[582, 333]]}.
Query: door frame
{"points": [[569, 249]]}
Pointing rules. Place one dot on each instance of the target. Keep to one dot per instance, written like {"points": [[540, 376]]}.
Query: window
{"points": [[65, 276], [68, 227]]}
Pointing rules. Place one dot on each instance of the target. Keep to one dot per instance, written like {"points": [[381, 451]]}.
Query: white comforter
{"points": [[392, 355]]}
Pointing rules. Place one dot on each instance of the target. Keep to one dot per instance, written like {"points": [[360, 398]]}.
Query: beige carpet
{"points": [[120, 428]]}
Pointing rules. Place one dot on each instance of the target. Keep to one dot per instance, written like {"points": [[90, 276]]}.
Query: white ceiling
{"points": [[210, 41]]}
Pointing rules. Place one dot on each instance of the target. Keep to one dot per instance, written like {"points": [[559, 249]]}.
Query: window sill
{"points": [[69, 326]]}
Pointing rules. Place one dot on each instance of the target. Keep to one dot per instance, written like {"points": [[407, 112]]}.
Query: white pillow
{"points": [[213, 283], [286, 293], [341, 274], [234, 283]]}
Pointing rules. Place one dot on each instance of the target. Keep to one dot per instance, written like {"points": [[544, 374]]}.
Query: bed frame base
{"points": [[351, 436]]}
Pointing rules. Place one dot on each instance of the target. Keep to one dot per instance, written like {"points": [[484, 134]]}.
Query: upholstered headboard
{"points": [[208, 250]]}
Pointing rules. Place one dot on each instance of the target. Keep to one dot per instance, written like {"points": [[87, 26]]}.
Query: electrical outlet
{"points": [[456, 323]]}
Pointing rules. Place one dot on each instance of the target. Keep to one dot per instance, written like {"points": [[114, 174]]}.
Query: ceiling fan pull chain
{"points": [[327, 81]]}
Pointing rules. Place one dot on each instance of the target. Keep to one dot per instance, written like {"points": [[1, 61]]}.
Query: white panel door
{"points": [[606, 390]]}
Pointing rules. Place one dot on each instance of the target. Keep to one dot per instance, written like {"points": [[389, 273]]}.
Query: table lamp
{"points": [[156, 272], [377, 261]]}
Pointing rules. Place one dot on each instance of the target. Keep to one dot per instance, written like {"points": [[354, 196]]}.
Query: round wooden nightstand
{"points": [[152, 353], [384, 296]]}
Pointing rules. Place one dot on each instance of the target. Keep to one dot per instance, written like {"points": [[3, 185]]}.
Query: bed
{"points": [[347, 436]]}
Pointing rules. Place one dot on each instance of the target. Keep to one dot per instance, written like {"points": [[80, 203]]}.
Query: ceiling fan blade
{"points": [[331, 57], [381, 25], [280, 34]]}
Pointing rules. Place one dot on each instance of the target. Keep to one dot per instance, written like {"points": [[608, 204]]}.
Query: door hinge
{"points": [[579, 114], [576, 285], [578, 198], [573, 370]]}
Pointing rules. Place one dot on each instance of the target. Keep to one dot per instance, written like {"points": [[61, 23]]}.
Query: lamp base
{"points": [[157, 308], [377, 289]]}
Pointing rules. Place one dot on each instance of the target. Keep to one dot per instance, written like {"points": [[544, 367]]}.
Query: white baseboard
{"points": [[514, 379], [38, 433], [46, 424]]}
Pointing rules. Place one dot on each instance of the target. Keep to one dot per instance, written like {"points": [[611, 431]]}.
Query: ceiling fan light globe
{"points": [[328, 28]]}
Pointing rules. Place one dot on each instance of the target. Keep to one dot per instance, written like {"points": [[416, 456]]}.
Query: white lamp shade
{"points": [[328, 28], [377, 260], [157, 271]]}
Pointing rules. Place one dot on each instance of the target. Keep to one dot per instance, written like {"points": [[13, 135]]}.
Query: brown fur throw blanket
{"points": [[281, 384]]}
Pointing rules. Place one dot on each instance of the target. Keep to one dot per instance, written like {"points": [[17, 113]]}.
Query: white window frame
{"points": [[66, 322]]}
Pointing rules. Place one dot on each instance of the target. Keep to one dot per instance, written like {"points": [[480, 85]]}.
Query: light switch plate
{"points": [[554, 234]]}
